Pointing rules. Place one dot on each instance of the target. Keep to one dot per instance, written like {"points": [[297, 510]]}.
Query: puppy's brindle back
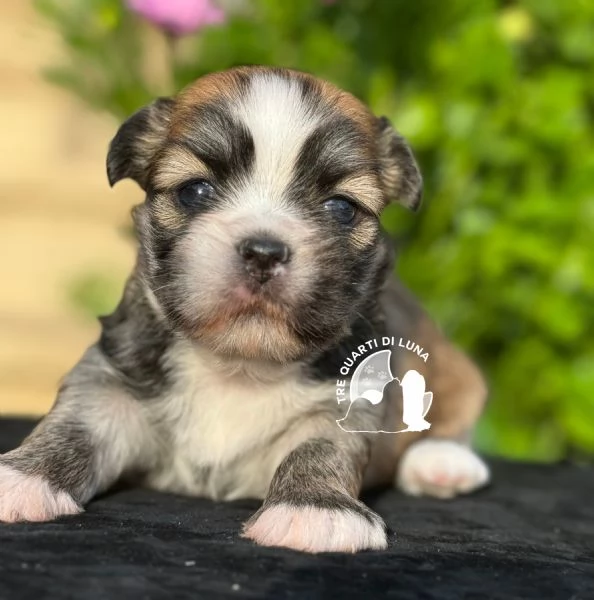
{"points": [[261, 266]]}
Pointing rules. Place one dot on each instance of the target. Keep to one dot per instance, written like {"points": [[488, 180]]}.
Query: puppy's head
{"points": [[260, 230]]}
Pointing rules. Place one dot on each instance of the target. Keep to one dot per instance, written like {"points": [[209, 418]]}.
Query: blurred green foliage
{"points": [[497, 99], [95, 292]]}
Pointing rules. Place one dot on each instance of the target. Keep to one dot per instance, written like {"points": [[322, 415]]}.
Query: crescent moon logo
{"points": [[368, 383], [371, 376]]}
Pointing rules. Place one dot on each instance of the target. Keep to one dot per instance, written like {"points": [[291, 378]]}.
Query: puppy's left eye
{"points": [[195, 193], [341, 209]]}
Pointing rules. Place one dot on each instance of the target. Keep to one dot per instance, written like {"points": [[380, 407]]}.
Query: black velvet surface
{"points": [[530, 535]]}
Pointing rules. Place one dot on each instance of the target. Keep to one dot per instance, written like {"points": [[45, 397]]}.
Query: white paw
{"points": [[440, 468], [30, 498], [312, 529]]}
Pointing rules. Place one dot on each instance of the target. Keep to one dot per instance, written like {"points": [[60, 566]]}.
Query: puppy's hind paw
{"points": [[440, 468], [314, 529], [31, 498]]}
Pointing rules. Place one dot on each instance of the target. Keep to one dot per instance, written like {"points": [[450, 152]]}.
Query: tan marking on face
{"points": [[176, 165], [166, 212], [366, 189], [364, 234]]}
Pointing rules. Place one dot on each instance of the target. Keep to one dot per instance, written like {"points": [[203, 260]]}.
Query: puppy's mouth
{"points": [[248, 301], [252, 298], [251, 292], [251, 323]]}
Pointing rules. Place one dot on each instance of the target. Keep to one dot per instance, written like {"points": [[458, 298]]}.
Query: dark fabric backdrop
{"points": [[530, 535]]}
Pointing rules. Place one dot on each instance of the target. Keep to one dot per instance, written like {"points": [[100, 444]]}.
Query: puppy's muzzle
{"points": [[263, 256]]}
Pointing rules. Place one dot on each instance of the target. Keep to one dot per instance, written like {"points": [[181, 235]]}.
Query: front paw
{"points": [[315, 529], [440, 468], [30, 498]]}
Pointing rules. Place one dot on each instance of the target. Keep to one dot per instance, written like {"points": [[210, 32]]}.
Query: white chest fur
{"points": [[216, 415]]}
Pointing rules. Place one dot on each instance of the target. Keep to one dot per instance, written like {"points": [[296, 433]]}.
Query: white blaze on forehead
{"points": [[279, 121]]}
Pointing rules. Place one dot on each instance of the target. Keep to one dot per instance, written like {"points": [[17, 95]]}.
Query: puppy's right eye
{"points": [[195, 193]]}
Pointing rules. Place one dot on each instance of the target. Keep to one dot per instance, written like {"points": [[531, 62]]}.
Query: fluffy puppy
{"points": [[261, 267]]}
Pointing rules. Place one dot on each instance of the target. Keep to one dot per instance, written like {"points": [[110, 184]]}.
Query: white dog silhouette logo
{"points": [[368, 382]]}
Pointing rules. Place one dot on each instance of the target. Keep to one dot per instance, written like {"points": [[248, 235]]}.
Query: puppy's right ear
{"points": [[137, 141]]}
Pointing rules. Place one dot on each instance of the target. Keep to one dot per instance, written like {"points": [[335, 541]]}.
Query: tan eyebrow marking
{"points": [[365, 188], [176, 165]]}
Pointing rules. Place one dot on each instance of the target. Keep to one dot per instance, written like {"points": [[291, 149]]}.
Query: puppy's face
{"points": [[260, 231]]}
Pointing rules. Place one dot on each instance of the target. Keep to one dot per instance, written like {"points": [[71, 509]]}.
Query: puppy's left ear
{"points": [[137, 141], [399, 172]]}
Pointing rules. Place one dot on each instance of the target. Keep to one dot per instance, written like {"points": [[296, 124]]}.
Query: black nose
{"points": [[261, 255]]}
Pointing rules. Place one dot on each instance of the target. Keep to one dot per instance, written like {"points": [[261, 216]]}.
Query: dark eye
{"points": [[341, 209], [195, 193]]}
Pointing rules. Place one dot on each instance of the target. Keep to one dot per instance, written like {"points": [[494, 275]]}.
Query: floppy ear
{"points": [[137, 141], [399, 171]]}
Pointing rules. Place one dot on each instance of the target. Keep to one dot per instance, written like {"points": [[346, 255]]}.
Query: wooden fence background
{"points": [[58, 217]]}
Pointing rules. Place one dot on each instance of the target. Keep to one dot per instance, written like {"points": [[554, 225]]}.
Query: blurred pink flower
{"points": [[178, 17]]}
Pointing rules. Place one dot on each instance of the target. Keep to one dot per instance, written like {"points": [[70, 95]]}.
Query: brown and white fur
{"points": [[261, 266]]}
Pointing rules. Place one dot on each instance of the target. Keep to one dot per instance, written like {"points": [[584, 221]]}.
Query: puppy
{"points": [[261, 268]]}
